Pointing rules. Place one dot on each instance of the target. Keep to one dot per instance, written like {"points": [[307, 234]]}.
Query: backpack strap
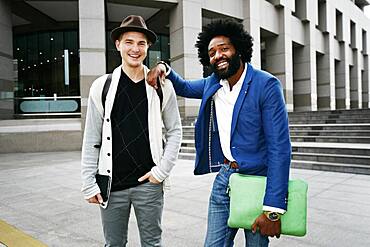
{"points": [[106, 89], [107, 85]]}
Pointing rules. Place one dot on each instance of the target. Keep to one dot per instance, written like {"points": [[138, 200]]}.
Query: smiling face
{"points": [[223, 58], [133, 47]]}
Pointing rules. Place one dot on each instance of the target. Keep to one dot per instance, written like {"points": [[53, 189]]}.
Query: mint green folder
{"points": [[246, 201]]}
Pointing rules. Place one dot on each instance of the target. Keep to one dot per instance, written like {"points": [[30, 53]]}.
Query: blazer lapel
{"points": [[213, 88], [242, 95]]}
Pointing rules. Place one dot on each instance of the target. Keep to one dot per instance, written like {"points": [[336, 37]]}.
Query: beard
{"points": [[234, 64]]}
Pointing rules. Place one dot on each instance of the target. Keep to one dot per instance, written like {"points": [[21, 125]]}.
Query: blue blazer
{"points": [[260, 140]]}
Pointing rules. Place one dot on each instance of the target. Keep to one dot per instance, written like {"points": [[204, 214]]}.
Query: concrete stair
{"points": [[324, 140], [331, 140]]}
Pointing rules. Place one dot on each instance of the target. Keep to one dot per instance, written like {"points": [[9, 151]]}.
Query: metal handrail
{"points": [[49, 97]]}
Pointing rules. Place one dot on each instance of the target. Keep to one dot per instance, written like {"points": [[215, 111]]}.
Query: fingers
{"points": [[153, 180], [154, 74], [146, 176], [99, 198], [254, 227], [93, 200]]}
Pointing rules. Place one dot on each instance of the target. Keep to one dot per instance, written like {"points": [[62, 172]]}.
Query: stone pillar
{"points": [[326, 77], [347, 77], [365, 84], [92, 47], [185, 24], [347, 59], [7, 70], [355, 82], [340, 80], [279, 56], [305, 87], [251, 10]]}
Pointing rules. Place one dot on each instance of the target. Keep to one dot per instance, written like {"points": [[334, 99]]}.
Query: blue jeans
{"points": [[218, 233]]}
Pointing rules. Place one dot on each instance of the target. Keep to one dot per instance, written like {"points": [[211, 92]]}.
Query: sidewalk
{"points": [[40, 195]]}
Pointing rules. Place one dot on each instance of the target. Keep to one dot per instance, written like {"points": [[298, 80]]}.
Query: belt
{"points": [[232, 164]]}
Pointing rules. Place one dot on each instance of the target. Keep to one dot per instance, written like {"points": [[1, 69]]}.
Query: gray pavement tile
{"points": [[199, 195], [362, 177], [43, 199], [305, 172], [363, 199], [318, 187], [329, 180], [358, 181], [187, 207], [352, 189], [333, 218], [341, 207]]}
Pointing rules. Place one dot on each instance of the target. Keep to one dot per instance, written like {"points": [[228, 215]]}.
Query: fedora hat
{"points": [[134, 23]]}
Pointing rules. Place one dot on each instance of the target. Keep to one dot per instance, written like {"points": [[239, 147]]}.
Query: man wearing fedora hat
{"points": [[123, 140]]}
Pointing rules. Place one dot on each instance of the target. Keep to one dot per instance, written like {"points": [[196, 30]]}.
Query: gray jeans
{"points": [[147, 200]]}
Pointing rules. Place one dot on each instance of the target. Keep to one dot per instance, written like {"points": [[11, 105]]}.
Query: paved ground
{"points": [[40, 196]]}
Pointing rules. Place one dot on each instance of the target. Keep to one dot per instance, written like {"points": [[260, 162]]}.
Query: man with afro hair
{"points": [[242, 127]]}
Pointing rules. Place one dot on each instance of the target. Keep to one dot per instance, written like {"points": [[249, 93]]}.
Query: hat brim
{"points": [[116, 33]]}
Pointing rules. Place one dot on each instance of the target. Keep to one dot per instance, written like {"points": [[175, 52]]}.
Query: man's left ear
{"points": [[117, 44]]}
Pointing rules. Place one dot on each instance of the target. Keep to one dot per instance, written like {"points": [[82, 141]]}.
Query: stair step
{"points": [[329, 166], [341, 139], [186, 156], [341, 132], [352, 126], [187, 150], [335, 158]]}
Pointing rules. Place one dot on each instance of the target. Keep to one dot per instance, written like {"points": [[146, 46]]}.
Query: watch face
{"points": [[273, 216]]}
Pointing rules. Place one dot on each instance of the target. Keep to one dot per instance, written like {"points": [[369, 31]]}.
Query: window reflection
{"points": [[40, 61]]}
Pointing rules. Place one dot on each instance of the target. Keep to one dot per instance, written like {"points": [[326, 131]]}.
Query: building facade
{"points": [[51, 51]]}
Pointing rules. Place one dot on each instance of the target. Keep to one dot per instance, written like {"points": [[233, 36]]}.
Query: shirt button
{"points": [[108, 138], [108, 171], [107, 119], [108, 154]]}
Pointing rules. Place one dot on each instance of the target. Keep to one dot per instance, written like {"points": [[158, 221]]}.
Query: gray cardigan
{"points": [[98, 128]]}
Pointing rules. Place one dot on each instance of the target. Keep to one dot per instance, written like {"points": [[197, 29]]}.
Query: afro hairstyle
{"points": [[230, 28]]}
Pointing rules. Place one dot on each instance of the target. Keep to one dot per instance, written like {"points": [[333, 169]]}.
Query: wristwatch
{"points": [[272, 216]]}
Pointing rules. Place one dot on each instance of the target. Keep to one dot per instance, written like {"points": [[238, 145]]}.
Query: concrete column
{"points": [[355, 82], [92, 46], [340, 80], [252, 21], [365, 84], [305, 87], [347, 59], [347, 77], [326, 77], [367, 71], [185, 24], [279, 56], [7, 70]]}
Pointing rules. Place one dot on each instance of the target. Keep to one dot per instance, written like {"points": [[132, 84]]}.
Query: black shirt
{"points": [[130, 135]]}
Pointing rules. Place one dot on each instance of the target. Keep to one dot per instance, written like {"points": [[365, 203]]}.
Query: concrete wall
{"points": [[7, 74], [335, 33]]}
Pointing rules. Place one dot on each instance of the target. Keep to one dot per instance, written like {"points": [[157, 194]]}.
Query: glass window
{"points": [[44, 70]]}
